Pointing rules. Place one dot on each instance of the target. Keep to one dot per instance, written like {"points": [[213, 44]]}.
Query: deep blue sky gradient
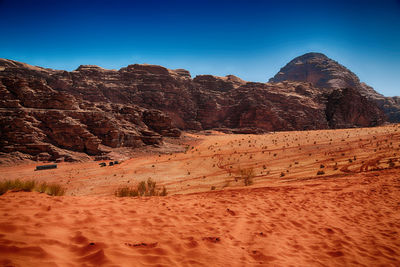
{"points": [[251, 39]]}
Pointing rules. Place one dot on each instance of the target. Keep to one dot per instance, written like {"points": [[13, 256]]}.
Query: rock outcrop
{"points": [[47, 124], [327, 74], [347, 108], [54, 114]]}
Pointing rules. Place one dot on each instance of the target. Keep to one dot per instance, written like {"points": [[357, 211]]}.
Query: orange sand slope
{"points": [[217, 160], [353, 220], [348, 214]]}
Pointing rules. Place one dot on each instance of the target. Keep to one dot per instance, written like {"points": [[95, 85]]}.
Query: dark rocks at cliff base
{"points": [[348, 108]]}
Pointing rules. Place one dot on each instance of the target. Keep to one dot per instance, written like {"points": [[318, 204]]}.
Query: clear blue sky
{"points": [[251, 39]]}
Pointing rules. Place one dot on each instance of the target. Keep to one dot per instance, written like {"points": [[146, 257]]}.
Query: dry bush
{"points": [[42, 187], [164, 192], [55, 190], [320, 173], [16, 185], [126, 192], [143, 188], [31, 185], [5, 186], [247, 175], [28, 186]]}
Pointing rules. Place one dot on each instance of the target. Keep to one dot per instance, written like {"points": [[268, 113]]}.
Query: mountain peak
{"points": [[328, 75], [312, 55], [320, 70]]}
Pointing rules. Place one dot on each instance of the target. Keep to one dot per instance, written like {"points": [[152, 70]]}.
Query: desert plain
{"points": [[298, 198]]}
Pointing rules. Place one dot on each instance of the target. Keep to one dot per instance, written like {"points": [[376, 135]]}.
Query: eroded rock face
{"points": [[219, 84], [270, 107], [53, 114], [327, 74], [348, 108], [48, 124]]}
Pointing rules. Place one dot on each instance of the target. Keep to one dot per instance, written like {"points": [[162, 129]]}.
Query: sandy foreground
{"points": [[349, 215]]}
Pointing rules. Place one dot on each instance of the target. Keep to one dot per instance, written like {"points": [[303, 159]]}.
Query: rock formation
{"points": [[53, 114], [326, 74], [50, 124], [347, 108]]}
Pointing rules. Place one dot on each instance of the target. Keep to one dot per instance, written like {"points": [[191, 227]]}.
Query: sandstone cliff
{"points": [[52, 114], [50, 124]]}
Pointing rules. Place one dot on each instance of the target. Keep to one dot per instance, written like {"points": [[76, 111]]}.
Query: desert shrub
{"points": [[143, 188], [28, 186], [282, 174], [247, 175], [16, 185], [4, 187], [126, 192], [151, 188], [163, 192], [31, 185], [55, 190], [213, 187], [320, 173], [42, 187]]}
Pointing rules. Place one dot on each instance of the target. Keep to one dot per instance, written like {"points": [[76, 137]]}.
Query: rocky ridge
{"points": [[58, 115], [53, 125], [327, 74]]}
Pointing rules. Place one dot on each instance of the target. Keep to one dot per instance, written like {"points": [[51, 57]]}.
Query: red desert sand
{"points": [[318, 198]]}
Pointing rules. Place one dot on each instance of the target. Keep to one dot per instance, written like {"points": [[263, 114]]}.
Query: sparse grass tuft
{"points": [[28, 186], [247, 176], [55, 190], [31, 185], [163, 192], [4, 187], [143, 188], [126, 192], [42, 187]]}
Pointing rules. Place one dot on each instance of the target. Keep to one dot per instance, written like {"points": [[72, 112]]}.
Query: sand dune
{"points": [[348, 216], [325, 222]]}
